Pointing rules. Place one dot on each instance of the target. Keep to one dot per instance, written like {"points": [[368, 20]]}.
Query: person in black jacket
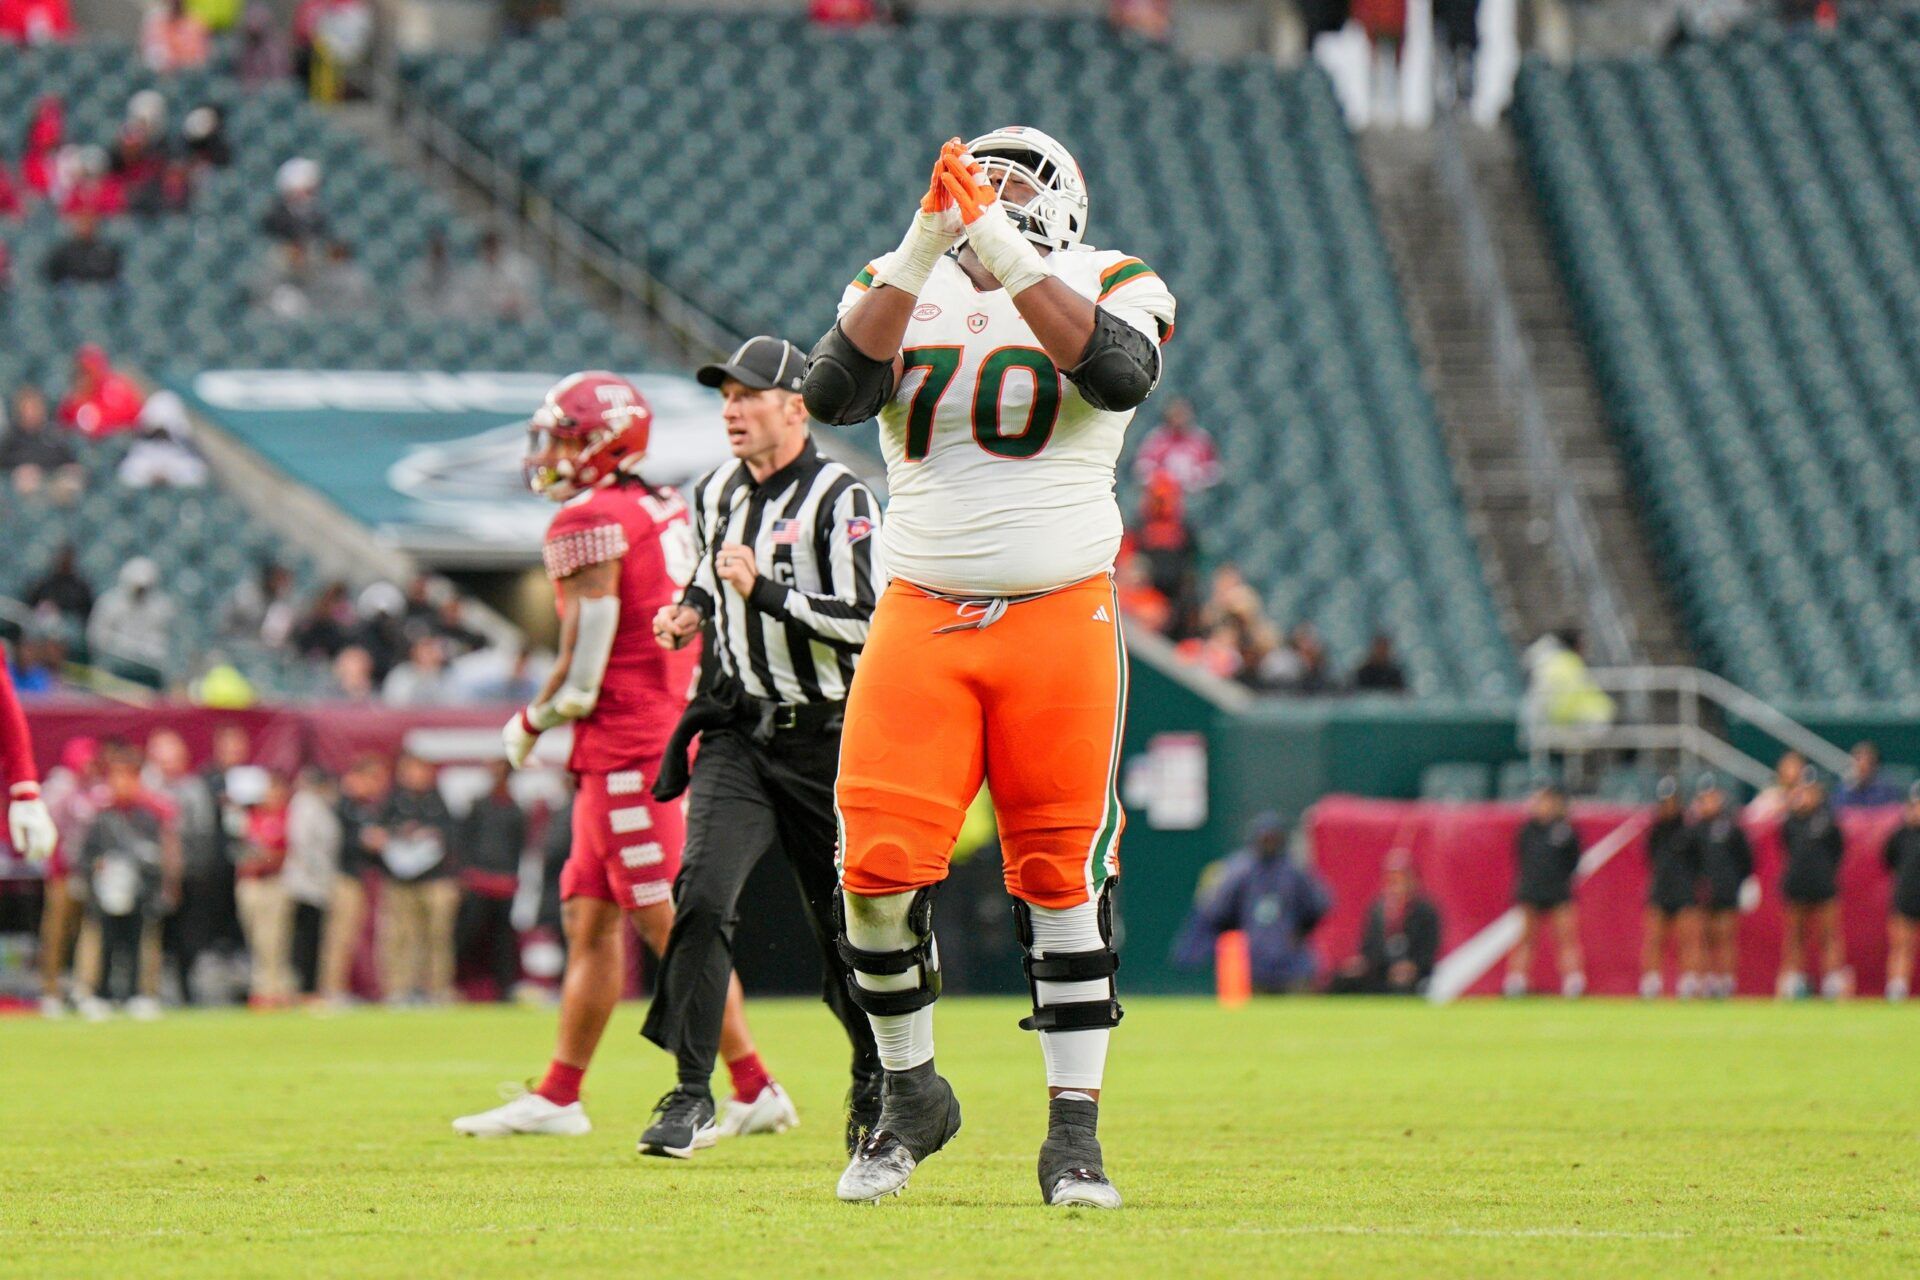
{"points": [[491, 837], [1902, 856], [1725, 860], [1547, 852], [420, 898], [1810, 884], [1673, 884], [1401, 941]]}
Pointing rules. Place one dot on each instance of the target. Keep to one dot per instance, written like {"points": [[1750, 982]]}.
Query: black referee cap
{"points": [[762, 363]]}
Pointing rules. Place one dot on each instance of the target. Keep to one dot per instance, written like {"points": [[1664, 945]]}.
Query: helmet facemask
{"points": [[1055, 215]]}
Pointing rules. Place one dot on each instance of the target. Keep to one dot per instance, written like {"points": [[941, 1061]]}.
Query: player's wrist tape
{"points": [[538, 717], [917, 255], [24, 791], [1010, 256]]}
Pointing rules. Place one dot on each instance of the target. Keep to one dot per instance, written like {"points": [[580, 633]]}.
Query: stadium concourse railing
{"points": [[1696, 699]]}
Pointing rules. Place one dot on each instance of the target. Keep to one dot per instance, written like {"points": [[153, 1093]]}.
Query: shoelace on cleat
{"points": [[676, 1106]]}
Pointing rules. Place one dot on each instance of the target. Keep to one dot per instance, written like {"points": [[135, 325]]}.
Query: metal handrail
{"points": [[568, 241], [1692, 689], [1610, 623]]}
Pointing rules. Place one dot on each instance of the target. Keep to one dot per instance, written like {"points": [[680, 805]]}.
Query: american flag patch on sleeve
{"points": [[568, 553]]}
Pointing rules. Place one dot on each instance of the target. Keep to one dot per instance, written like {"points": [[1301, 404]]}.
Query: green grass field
{"points": [[1288, 1138]]}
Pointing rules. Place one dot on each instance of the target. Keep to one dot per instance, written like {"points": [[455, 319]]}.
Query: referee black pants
{"points": [[747, 798]]}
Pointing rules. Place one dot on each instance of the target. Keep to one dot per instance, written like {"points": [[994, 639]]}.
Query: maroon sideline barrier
{"points": [[1464, 853]]}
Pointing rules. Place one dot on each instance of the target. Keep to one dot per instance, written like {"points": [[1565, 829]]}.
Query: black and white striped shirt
{"points": [[813, 528]]}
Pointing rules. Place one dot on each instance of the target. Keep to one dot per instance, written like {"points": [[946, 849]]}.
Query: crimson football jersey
{"points": [[646, 687]]}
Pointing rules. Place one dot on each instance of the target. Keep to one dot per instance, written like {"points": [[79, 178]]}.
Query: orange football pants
{"points": [[1034, 704]]}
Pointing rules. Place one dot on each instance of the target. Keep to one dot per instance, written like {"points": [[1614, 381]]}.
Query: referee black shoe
{"points": [[682, 1124]]}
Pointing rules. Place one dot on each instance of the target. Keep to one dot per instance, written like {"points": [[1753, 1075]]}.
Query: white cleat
{"points": [[52, 1007], [1081, 1190], [143, 1009], [879, 1169], [93, 1008], [770, 1112], [528, 1113]]}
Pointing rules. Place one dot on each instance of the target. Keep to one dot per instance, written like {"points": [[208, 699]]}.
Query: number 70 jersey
{"points": [[1000, 474]]}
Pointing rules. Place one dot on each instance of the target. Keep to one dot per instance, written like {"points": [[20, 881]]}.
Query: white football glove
{"points": [[519, 737], [1749, 895], [29, 825]]}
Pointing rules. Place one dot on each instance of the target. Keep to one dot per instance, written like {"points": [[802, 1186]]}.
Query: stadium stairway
{"points": [[1453, 333]]}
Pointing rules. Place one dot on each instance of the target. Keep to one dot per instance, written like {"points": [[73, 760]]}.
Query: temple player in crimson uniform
{"points": [[29, 825], [618, 550]]}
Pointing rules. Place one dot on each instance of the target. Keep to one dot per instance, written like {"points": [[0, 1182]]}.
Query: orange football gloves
{"points": [[959, 174]]}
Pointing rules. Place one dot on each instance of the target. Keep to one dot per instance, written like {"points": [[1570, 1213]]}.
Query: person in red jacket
{"points": [[102, 401], [45, 134], [35, 21]]}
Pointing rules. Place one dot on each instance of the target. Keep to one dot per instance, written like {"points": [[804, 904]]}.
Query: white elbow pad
{"points": [[593, 636]]}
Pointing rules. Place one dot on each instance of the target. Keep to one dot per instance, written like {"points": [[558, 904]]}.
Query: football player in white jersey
{"points": [[1004, 359]]}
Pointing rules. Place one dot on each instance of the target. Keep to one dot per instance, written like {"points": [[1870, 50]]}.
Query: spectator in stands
{"points": [[260, 607], [1180, 451], [13, 203], [1148, 19], [1401, 940], [362, 805], [83, 257], [1276, 902], [450, 624], [1673, 887], [204, 133], [173, 38], [141, 160], [1547, 852], [1307, 660], [46, 134], [1265, 665], [102, 401], [128, 633], [1726, 875], [189, 928], [1162, 538], [429, 286], [35, 21], [1901, 855], [421, 899], [35, 458], [499, 282], [314, 840], [496, 674], [329, 623], [40, 668], [286, 282], [1772, 803], [296, 215], [844, 13], [128, 867], [1379, 671], [332, 39], [382, 629], [1814, 847], [86, 183], [1560, 689], [63, 593], [491, 838], [350, 677], [1864, 787], [260, 893], [341, 286], [163, 455], [264, 56], [420, 681]]}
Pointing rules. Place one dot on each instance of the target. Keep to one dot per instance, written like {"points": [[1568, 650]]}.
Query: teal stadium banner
{"points": [[431, 461]]}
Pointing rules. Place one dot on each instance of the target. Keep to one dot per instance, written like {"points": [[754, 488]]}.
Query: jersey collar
{"points": [[803, 464]]}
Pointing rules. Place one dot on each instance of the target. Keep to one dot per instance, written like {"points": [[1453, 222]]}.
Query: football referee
{"points": [[783, 590]]}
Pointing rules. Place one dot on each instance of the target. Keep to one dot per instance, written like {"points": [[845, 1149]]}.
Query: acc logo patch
{"points": [[977, 321], [858, 527], [926, 311]]}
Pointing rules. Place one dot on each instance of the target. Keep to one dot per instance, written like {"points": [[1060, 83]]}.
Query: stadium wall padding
{"points": [[1464, 854]]}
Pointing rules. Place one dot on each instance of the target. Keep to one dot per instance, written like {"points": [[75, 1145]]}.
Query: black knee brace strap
{"points": [[1070, 966], [876, 964]]}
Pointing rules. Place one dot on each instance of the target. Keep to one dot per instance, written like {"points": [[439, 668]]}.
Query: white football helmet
{"points": [[1056, 216]]}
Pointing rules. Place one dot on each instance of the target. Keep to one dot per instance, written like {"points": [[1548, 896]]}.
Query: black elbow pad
{"points": [[1119, 367], [844, 385]]}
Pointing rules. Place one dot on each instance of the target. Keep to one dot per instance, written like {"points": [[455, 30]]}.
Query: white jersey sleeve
{"points": [[1132, 291], [861, 284]]}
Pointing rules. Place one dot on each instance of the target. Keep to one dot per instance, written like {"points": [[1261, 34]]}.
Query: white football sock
{"points": [[1075, 1059], [905, 1040]]}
